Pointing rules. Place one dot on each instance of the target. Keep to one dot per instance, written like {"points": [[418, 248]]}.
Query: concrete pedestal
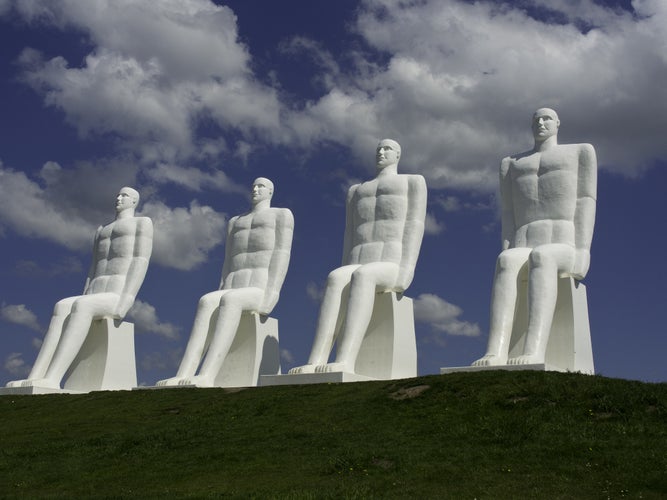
{"points": [[106, 362], [254, 352], [388, 350], [569, 346]]}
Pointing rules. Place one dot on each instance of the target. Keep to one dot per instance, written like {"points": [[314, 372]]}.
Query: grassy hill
{"points": [[465, 435]]}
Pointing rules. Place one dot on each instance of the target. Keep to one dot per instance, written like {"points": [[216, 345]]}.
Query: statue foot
{"points": [[41, 382], [334, 367], [526, 359], [169, 382], [16, 383], [199, 381], [490, 360], [302, 369]]}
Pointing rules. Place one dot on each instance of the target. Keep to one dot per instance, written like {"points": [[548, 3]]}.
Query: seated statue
{"points": [[121, 252], [257, 253], [383, 233], [548, 211]]}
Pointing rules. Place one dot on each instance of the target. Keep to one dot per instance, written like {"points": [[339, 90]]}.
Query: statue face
{"points": [[262, 189], [125, 199], [386, 154], [545, 124]]}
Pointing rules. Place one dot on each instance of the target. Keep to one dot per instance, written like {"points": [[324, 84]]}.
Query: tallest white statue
{"points": [[548, 197]]}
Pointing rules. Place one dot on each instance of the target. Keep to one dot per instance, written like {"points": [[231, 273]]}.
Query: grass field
{"points": [[465, 435]]}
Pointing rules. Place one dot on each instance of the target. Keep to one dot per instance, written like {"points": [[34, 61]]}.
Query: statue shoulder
{"points": [[283, 214]]}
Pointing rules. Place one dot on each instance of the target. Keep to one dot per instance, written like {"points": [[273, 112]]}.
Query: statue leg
{"points": [[232, 304], [199, 338], [50, 342], [332, 310], [363, 286], [510, 264], [84, 309], [546, 263]]}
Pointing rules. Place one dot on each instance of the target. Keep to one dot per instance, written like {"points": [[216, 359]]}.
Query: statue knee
{"points": [[508, 261], [540, 257]]}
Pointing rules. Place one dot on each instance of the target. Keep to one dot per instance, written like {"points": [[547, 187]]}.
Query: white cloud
{"points": [[286, 356], [15, 365], [20, 315], [432, 225], [463, 78], [184, 236], [314, 291], [443, 316], [145, 318], [194, 179], [26, 209], [157, 70]]}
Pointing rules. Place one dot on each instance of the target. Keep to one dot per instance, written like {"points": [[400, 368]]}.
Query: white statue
{"points": [[121, 252], [548, 211], [257, 253], [383, 233]]}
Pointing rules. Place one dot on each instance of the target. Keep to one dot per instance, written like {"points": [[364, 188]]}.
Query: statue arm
{"points": [[413, 231], [279, 259], [507, 225], [227, 262], [348, 238], [143, 247], [584, 215], [93, 263]]}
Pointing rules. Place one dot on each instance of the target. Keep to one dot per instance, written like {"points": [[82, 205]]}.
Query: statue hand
{"points": [[582, 261], [124, 305], [269, 302]]}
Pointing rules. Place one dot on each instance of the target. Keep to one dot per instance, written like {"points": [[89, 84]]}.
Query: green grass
{"points": [[465, 435]]}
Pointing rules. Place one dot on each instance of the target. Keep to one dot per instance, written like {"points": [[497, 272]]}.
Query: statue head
{"points": [[262, 190], [387, 153], [127, 199], [545, 124]]}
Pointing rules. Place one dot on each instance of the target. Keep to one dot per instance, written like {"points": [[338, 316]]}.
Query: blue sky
{"points": [[190, 100]]}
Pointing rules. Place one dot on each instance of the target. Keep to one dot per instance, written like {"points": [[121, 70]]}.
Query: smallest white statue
{"points": [[121, 252], [548, 197], [257, 253]]}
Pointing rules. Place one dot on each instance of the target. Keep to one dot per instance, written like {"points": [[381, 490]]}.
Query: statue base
{"points": [[254, 353], [105, 362], [388, 350], [569, 346]]}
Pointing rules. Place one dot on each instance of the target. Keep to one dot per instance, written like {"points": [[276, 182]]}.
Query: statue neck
{"points": [[388, 170], [125, 214], [261, 205], [547, 143]]}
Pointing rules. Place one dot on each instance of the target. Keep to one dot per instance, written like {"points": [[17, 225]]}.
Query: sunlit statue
{"points": [[257, 254], [383, 233], [121, 252], [548, 211]]}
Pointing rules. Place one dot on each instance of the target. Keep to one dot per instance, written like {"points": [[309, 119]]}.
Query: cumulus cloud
{"points": [[15, 365], [26, 209], [314, 291], [184, 236], [157, 71], [458, 107], [443, 316], [145, 318], [194, 179], [286, 356], [20, 315], [432, 226]]}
